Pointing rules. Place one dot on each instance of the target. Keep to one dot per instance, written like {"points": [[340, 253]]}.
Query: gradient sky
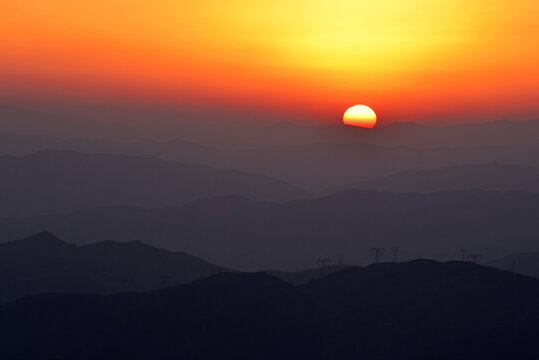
{"points": [[424, 60]]}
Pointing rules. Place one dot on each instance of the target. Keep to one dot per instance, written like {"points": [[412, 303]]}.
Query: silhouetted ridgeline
{"points": [[304, 276], [44, 263], [320, 166], [178, 150], [464, 177], [523, 263], [315, 166], [419, 309], [247, 235], [61, 181], [234, 135]]}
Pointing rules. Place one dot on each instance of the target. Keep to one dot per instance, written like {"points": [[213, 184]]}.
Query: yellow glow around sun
{"points": [[288, 53], [360, 115]]}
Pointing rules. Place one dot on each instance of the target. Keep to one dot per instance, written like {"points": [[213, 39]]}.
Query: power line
{"points": [[323, 262], [377, 254], [395, 251], [475, 257]]}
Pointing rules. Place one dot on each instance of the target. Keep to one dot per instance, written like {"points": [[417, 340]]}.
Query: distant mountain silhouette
{"points": [[61, 181], [248, 235], [43, 263], [523, 263], [234, 136], [464, 177], [388, 310], [177, 150], [313, 166], [317, 167], [31, 121], [500, 132]]}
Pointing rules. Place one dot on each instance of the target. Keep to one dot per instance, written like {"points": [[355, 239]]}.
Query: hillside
{"points": [[248, 235], [523, 263], [327, 162], [304, 276], [43, 263], [465, 177], [381, 311], [57, 181], [232, 135]]}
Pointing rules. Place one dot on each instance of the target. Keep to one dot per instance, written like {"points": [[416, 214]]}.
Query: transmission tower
{"points": [[514, 265], [395, 251], [377, 254], [323, 262], [475, 257], [463, 254], [126, 284]]}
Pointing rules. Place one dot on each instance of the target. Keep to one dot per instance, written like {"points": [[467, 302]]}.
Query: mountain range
{"points": [[465, 177], [124, 238], [43, 263], [231, 135], [523, 263], [313, 166], [57, 181], [247, 235], [304, 276], [413, 310]]}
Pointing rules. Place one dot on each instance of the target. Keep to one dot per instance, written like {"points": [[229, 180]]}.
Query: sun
{"points": [[360, 115]]}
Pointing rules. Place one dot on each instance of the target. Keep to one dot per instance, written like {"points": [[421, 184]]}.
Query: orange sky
{"points": [[428, 60]]}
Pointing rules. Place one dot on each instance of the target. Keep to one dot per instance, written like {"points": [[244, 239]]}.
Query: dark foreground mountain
{"points": [[304, 276], [465, 177], [523, 263], [419, 309], [44, 263], [247, 235], [62, 181]]}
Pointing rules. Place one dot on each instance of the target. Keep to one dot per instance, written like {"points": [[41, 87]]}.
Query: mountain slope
{"points": [[234, 135], [326, 163], [177, 150], [248, 235], [62, 181], [44, 263], [304, 276], [399, 308], [464, 177], [381, 311], [523, 263]]}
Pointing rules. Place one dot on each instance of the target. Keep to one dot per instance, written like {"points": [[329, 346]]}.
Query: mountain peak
{"points": [[42, 242], [43, 237]]}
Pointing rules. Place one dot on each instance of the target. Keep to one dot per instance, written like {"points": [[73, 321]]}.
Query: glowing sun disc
{"points": [[360, 115]]}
